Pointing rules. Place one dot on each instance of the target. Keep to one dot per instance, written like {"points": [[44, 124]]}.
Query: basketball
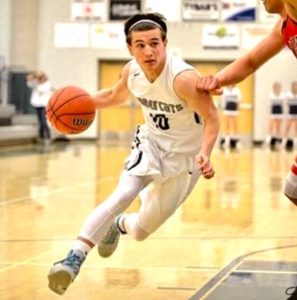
{"points": [[70, 110]]}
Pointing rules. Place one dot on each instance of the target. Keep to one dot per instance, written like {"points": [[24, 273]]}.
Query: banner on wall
{"points": [[173, 14], [195, 10], [251, 34], [123, 9], [88, 10], [71, 35], [238, 10], [220, 37], [108, 36]]}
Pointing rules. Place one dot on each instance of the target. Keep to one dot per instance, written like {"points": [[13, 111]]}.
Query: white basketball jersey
{"points": [[171, 124]]}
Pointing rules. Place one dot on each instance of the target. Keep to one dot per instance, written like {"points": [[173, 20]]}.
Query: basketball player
{"points": [[277, 100], [230, 100], [284, 33], [169, 153], [291, 116]]}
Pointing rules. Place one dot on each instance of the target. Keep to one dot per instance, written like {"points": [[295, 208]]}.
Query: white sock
{"points": [[80, 245]]}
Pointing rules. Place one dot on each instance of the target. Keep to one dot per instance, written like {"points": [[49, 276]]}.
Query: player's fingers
{"points": [[200, 84], [208, 174], [217, 92], [210, 83], [214, 84], [203, 83], [201, 162]]}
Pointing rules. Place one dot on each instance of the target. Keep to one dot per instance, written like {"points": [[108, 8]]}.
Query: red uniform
{"points": [[289, 31]]}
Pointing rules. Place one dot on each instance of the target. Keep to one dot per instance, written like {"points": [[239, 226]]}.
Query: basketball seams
{"points": [[77, 115], [56, 97], [49, 114], [69, 100]]}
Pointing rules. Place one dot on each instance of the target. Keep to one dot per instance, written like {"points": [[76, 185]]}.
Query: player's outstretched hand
{"points": [[209, 84], [205, 166]]}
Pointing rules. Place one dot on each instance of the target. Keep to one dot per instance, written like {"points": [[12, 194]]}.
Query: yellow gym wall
{"points": [[122, 118]]}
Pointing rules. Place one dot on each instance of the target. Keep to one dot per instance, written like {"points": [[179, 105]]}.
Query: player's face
{"points": [[273, 6], [277, 88], [148, 49]]}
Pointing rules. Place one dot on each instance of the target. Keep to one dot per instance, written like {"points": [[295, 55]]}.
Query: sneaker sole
{"points": [[59, 281], [105, 251]]}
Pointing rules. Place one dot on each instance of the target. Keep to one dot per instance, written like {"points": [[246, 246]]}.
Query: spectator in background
{"points": [[230, 104], [291, 116], [276, 99], [41, 93]]}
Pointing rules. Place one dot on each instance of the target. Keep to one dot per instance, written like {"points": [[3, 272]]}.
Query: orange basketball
{"points": [[71, 110]]}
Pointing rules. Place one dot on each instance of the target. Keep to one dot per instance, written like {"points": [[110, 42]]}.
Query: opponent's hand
{"points": [[209, 84], [205, 166]]}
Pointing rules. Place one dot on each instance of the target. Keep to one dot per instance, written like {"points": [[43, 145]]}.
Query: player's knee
{"points": [[140, 235], [290, 189], [291, 193], [123, 199], [291, 198]]}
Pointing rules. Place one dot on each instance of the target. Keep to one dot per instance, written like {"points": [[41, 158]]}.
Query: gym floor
{"points": [[234, 238]]}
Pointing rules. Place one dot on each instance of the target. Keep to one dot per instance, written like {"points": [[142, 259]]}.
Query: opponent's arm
{"points": [[254, 59], [201, 102], [246, 64], [115, 95]]}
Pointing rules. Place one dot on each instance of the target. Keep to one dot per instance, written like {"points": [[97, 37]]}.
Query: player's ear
{"points": [[130, 49]]}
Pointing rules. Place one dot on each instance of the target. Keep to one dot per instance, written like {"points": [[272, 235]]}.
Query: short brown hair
{"points": [[145, 22]]}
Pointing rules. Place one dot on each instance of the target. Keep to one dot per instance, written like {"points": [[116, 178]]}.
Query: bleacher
{"points": [[18, 123], [16, 128]]}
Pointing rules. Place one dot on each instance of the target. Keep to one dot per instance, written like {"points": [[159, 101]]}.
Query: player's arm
{"points": [[201, 102], [115, 95], [254, 59], [246, 64]]}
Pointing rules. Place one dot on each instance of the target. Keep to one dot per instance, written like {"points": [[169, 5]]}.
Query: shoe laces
{"points": [[73, 260], [292, 291], [111, 235]]}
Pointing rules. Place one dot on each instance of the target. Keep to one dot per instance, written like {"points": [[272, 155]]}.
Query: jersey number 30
{"points": [[162, 121]]}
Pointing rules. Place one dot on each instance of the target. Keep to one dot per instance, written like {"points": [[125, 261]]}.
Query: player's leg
{"points": [[45, 128], [273, 136], [295, 131], [288, 141], [95, 227], [39, 118], [159, 202], [278, 126], [234, 138], [290, 189]]}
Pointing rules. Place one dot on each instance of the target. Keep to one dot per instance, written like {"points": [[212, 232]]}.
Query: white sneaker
{"points": [[109, 242], [64, 271]]}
